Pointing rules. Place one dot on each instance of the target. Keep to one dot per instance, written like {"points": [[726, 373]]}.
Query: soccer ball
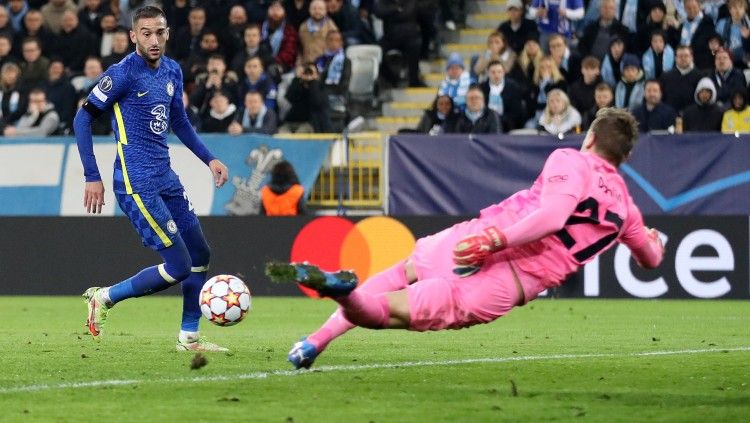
{"points": [[224, 300]]}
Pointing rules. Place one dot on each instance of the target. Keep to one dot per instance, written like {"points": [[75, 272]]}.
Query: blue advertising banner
{"points": [[697, 174], [44, 176]]}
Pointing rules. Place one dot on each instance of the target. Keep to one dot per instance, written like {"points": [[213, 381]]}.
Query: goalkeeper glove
{"points": [[472, 250]]}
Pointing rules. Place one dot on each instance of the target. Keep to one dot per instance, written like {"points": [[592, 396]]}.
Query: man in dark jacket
{"points": [[598, 34], [695, 32], [401, 32], [581, 92], [652, 114], [503, 96], [726, 77], [679, 83], [476, 119], [704, 115], [517, 29]]}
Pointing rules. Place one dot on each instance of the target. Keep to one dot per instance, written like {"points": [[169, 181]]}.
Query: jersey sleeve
{"points": [[564, 173], [647, 251], [112, 86]]}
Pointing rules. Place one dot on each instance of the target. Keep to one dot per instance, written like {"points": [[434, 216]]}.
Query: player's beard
{"points": [[146, 54]]}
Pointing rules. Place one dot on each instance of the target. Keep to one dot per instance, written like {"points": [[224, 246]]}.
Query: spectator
{"points": [[695, 32], [581, 92], [253, 47], [61, 94], [108, 29], [726, 77], [215, 78], [653, 114], [598, 34], [503, 96], [704, 115], [16, 11], [313, 31], [603, 97], [426, 17], [255, 117], [53, 13], [281, 36], [629, 90], [235, 34], [631, 13], [611, 69], [297, 11], [74, 43], [187, 39], [679, 83], [527, 63], [92, 71], [34, 66], [438, 118], [567, 61], [335, 71], [220, 114], [476, 119], [556, 17], [217, 13], [546, 77], [659, 58], [559, 116], [177, 12], [5, 25], [497, 50], [400, 32], [346, 18], [309, 111], [198, 60], [6, 47], [735, 30], [13, 101], [40, 118], [283, 196], [457, 81], [257, 80], [33, 26], [737, 118], [192, 112], [657, 20], [517, 28], [91, 15], [120, 48]]}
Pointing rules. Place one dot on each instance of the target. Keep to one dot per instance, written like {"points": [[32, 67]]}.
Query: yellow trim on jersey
{"points": [[155, 226], [198, 269], [167, 277], [123, 140]]}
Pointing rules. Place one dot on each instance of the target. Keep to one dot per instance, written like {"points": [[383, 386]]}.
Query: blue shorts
{"points": [[159, 216]]}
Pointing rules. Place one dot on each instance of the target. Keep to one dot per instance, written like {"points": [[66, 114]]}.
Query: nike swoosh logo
{"points": [[141, 94]]}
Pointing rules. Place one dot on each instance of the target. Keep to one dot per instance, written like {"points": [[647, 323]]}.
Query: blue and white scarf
{"points": [[456, 89], [629, 14], [313, 26], [275, 38], [731, 33], [636, 95], [16, 19], [608, 75], [689, 28], [495, 100], [247, 123], [649, 61], [335, 61], [473, 116]]}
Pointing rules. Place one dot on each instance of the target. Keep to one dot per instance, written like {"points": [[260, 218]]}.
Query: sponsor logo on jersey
{"points": [[159, 123], [172, 227], [141, 94], [170, 88]]}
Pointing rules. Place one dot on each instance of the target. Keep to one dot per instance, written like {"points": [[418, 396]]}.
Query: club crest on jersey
{"points": [[159, 123], [105, 84], [170, 88], [172, 227]]}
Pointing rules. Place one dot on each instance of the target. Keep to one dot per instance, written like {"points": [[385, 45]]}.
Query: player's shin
{"points": [[364, 309]]}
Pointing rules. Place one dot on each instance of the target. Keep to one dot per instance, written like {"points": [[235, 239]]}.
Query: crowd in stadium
{"points": [[280, 66]]}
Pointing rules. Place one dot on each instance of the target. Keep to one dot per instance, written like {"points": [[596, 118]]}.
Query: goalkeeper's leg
{"points": [[392, 279]]}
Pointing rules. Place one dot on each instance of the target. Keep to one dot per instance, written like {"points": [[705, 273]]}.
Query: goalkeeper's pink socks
{"points": [[389, 280]]}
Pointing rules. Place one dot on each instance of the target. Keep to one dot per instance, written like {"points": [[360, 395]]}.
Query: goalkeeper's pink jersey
{"points": [[605, 214]]}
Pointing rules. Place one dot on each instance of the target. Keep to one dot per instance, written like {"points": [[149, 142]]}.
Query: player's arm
{"points": [[186, 133], [562, 179], [105, 93], [644, 243]]}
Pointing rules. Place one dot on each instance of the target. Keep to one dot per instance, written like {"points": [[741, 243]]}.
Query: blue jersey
{"points": [[144, 103]]}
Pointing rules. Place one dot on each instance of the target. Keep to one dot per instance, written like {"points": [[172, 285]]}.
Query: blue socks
{"points": [[191, 287]]}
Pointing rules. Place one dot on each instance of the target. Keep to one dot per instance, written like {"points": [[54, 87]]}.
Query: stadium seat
{"points": [[365, 60]]}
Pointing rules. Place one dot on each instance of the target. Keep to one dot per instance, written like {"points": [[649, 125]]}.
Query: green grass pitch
{"points": [[562, 360]]}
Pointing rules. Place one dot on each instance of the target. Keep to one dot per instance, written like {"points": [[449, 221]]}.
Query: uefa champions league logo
{"points": [[246, 199]]}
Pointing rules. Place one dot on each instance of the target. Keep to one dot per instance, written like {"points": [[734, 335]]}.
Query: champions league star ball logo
{"points": [[170, 88], [105, 84]]}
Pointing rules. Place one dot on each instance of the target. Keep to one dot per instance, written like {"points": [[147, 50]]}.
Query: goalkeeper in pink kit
{"points": [[478, 270]]}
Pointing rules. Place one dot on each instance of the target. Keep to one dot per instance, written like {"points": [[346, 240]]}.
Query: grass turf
{"points": [[554, 360]]}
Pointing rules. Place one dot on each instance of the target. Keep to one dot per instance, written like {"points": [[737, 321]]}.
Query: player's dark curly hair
{"points": [[147, 12], [616, 132]]}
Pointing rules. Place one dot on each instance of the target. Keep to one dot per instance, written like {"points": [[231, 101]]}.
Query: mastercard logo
{"points": [[366, 247]]}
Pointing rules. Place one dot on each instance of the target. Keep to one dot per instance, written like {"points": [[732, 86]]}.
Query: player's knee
{"points": [[178, 271], [201, 256]]}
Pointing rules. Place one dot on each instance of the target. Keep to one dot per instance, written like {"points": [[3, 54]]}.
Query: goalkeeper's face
{"points": [[150, 36]]}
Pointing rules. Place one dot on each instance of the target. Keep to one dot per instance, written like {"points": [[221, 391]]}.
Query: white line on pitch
{"points": [[346, 368]]}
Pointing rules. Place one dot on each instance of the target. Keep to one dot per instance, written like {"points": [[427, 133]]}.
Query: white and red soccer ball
{"points": [[225, 300]]}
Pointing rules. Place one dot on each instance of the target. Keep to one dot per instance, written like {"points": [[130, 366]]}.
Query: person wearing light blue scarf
{"points": [[731, 29], [659, 58], [629, 90]]}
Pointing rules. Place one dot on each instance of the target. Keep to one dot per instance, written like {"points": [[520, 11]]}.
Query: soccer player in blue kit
{"points": [[144, 94]]}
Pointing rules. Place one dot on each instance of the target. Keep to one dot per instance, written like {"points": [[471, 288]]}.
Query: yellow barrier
{"points": [[353, 176]]}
